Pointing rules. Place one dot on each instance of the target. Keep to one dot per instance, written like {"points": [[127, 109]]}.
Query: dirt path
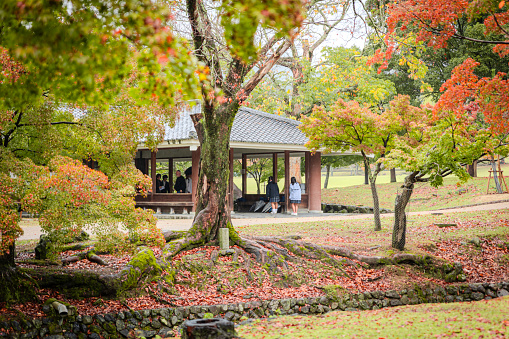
{"points": [[33, 231]]}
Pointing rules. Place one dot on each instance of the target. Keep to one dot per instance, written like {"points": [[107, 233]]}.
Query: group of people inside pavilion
{"points": [[182, 185]]}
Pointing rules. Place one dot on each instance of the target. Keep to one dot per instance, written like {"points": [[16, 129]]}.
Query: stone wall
{"points": [[149, 323], [338, 208]]}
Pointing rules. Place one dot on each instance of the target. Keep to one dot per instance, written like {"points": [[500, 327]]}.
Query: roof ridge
{"points": [[270, 115]]}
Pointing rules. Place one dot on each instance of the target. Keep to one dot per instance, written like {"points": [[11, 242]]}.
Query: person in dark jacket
{"points": [[272, 191], [180, 183], [158, 183], [165, 184]]}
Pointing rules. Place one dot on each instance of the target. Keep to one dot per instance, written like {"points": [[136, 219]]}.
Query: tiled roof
{"points": [[250, 125]]}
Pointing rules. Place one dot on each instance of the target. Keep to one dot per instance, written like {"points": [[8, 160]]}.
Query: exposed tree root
{"points": [[276, 251], [259, 246], [321, 252], [397, 258], [173, 235]]}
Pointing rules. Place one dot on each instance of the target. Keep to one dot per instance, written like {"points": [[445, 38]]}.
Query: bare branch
{"points": [[265, 68]]}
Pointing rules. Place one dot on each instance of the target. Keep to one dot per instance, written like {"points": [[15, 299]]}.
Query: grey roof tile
{"points": [[250, 125]]}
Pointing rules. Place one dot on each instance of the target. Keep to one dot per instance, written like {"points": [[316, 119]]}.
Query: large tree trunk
{"points": [[14, 285], [327, 177], [366, 174], [213, 128], [402, 199], [393, 175]]}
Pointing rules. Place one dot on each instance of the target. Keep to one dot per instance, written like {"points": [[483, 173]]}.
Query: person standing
{"points": [[180, 183], [165, 184], [295, 195], [158, 183], [272, 191]]}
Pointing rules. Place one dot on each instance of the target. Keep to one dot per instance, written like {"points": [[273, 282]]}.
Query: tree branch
{"points": [[264, 69]]}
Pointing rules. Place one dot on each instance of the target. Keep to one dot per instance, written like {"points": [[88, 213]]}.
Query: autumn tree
{"points": [[467, 96], [323, 19], [56, 56], [343, 73], [443, 148], [234, 67], [350, 126]]}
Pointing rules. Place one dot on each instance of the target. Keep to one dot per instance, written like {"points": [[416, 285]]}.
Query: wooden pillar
{"points": [[287, 180], [153, 171], [170, 173], [195, 175], [147, 164], [230, 185], [274, 166], [306, 171], [244, 175], [315, 183], [307, 155]]}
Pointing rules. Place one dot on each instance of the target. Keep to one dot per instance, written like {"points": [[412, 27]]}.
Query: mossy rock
{"points": [[143, 268], [335, 292]]}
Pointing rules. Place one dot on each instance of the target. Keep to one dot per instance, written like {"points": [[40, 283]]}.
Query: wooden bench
{"points": [[173, 207]]}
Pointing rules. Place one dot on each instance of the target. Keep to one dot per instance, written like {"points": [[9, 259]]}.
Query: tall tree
{"points": [[234, 67], [52, 56], [349, 126], [343, 73], [442, 147], [323, 18]]}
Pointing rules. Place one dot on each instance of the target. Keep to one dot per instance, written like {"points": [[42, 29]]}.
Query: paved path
{"points": [[33, 231]]}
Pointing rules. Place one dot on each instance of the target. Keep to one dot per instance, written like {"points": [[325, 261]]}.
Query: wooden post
{"points": [[315, 183], [170, 173], [274, 166], [230, 186], [306, 173], [153, 172], [195, 175], [147, 164], [287, 180], [244, 175]]}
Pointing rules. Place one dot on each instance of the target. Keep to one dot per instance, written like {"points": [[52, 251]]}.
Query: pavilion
{"points": [[254, 134]]}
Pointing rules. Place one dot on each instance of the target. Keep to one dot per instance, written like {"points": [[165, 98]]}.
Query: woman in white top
{"points": [[295, 195]]}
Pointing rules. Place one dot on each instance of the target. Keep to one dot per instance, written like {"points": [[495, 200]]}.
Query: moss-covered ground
{"points": [[479, 241]]}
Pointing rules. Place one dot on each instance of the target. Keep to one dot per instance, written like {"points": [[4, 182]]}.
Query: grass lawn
{"points": [[358, 234], [424, 197], [350, 190], [479, 319]]}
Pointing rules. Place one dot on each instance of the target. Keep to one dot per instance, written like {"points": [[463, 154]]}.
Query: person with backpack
{"points": [[272, 191], [295, 195]]}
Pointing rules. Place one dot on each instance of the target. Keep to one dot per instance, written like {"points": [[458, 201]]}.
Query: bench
{"points": [[172, 207]]}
